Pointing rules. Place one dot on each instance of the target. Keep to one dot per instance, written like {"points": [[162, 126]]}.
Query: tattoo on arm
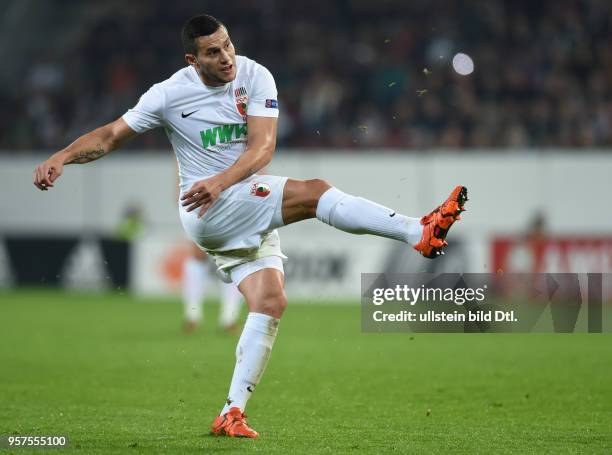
{"points": [[85, 156]]}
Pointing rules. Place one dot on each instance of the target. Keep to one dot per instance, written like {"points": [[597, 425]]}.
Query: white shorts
{"points": [[240, 226], [241, 271]]}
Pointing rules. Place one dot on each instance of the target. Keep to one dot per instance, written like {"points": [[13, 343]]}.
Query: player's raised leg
{"points": [[266, 300], [303, 199]]}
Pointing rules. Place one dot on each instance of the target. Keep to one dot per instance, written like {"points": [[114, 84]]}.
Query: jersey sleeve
{"points": [[148, 112], [263, 101]]}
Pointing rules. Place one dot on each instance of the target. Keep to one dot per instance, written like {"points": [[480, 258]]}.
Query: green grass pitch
{"points": [[117, 375]]}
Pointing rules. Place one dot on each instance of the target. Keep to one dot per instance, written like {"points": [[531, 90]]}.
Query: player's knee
{"points": [[317, 187], [274, 304], [282, 302]]}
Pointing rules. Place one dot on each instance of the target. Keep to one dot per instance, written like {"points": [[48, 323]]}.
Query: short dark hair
{"points": [[203, 25]]}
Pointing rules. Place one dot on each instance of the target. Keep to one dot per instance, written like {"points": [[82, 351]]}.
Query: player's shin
{"points": [[362, 216], [252, 354]]}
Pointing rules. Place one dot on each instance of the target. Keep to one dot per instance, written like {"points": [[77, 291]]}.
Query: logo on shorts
{"points": [[260, 189], [241, 100]]}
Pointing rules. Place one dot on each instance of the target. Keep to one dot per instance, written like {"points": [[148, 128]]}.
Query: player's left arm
{"points": [[261, 143]]}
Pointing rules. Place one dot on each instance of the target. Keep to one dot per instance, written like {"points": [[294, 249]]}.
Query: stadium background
{"points": [[368, 101]]}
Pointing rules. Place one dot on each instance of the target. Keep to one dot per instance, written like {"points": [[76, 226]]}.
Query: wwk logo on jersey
{"points": [[242, 100], [223, 134], [260, 189]]}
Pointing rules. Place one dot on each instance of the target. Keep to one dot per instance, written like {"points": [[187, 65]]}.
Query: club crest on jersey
{"points": [[242, 100], [260, 189]]}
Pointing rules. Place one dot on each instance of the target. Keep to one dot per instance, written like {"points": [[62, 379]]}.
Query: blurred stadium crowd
{"points": [[351, 73]]}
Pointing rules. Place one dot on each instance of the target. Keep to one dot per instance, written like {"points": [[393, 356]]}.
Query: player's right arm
{"points": [[89, 147]]}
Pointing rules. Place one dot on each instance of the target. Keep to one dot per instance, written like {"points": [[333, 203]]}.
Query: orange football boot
{"points": [[233, 423], [439, 221]]}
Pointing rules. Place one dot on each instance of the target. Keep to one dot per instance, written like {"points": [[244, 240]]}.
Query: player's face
{"points": [[216, 58]]}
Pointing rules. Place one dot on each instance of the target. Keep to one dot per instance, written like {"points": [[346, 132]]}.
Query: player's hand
{"points": [[47, 173], [202, 194]]}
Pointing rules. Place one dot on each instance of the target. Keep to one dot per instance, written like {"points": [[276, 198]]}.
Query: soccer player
{"points": [[220, 114], [197, 277]]}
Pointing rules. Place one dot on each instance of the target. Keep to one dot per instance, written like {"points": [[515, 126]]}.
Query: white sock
{"points": [[361, 216], [195, 279], [230, 305], [252, 354]]}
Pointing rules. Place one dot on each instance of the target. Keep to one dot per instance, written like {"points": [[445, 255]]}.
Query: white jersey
{"points": [[206, 125]]}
